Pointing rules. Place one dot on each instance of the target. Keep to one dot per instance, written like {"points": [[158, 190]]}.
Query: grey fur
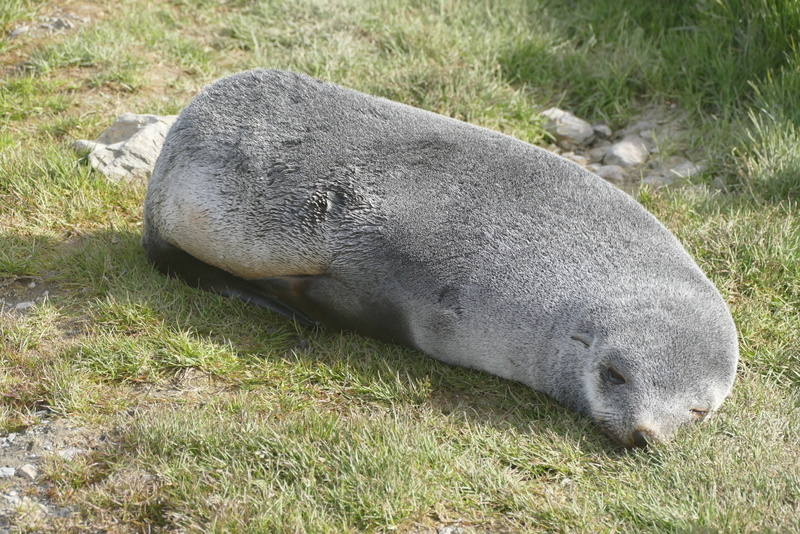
{"points": [[476, 248]]}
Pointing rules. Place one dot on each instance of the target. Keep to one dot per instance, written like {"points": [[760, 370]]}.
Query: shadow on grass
{"points": [[104, 275]]}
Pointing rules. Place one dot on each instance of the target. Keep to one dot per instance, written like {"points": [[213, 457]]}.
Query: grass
{"points": [[224, 418]]}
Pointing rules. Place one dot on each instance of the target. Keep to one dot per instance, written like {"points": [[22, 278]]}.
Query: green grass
{"points": [[12, 11], [225, 418], [25, 97]]}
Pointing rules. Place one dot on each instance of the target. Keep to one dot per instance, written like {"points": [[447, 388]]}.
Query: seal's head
{"points": [[648, 366]]}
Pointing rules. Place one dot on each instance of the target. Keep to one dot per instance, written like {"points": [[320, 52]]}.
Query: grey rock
{"points": [[52, 24], [22, 30], [648, 135], [63, 24], [594, 167], [598, 153], [23, 306], [577, 158], [636, 129], [601, 143], [7, 472], [567, 128], [555, 149], [46, 25], [612, 173], [657, 181], [128, 149], [601, 130], [631, 152], [28, 471], [679, 167]]}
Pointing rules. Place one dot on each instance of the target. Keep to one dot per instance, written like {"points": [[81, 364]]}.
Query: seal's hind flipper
{"points": [[173, 261]]}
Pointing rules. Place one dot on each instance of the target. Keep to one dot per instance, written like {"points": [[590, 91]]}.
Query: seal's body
{"points": [[328, 205]]}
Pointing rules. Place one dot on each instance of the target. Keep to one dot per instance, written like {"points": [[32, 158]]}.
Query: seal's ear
{"points": [[585, 338]]}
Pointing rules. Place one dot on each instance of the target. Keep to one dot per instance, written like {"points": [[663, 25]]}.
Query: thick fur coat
{"points": [[332, 206]]}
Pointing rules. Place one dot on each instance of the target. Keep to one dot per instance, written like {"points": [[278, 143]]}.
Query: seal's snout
{"points": [[643, 437]]}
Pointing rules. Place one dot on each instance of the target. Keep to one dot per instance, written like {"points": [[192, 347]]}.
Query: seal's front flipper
{"points": [[251, 293], [176, 262], [340, 306], [292, 292]]}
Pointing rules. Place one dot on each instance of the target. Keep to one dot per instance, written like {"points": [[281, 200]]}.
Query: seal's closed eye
{"points": [[612, 376]]}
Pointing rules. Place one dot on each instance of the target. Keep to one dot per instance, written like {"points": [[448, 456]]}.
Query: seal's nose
{"points": [[643, 438]]}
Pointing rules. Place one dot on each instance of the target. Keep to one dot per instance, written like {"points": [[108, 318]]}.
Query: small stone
{"points": [[632, 151], [612, 173], [28, 471], [63, 24], [12, 436], [657, 181], [637, 128], [555, 149], [598, 153], [648, 135], [65, 512], [678, 166], [22, 30], [566, 127], [601, 143], [7, 472], [32, 285], [580, 160], [601, 130], [23, 306]]}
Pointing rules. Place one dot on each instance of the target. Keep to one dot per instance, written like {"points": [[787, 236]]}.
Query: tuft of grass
{"points": [[27, 96], [103, 47], [771, 166], [15, 10]]}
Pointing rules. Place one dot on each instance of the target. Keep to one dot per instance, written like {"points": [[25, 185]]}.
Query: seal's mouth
{"points": [[642, 436]]}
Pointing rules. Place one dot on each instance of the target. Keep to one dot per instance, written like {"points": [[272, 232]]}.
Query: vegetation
{"points": [[225, 418]]}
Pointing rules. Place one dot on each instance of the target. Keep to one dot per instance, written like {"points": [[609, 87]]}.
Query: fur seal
{"points": [[328, 205]]}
